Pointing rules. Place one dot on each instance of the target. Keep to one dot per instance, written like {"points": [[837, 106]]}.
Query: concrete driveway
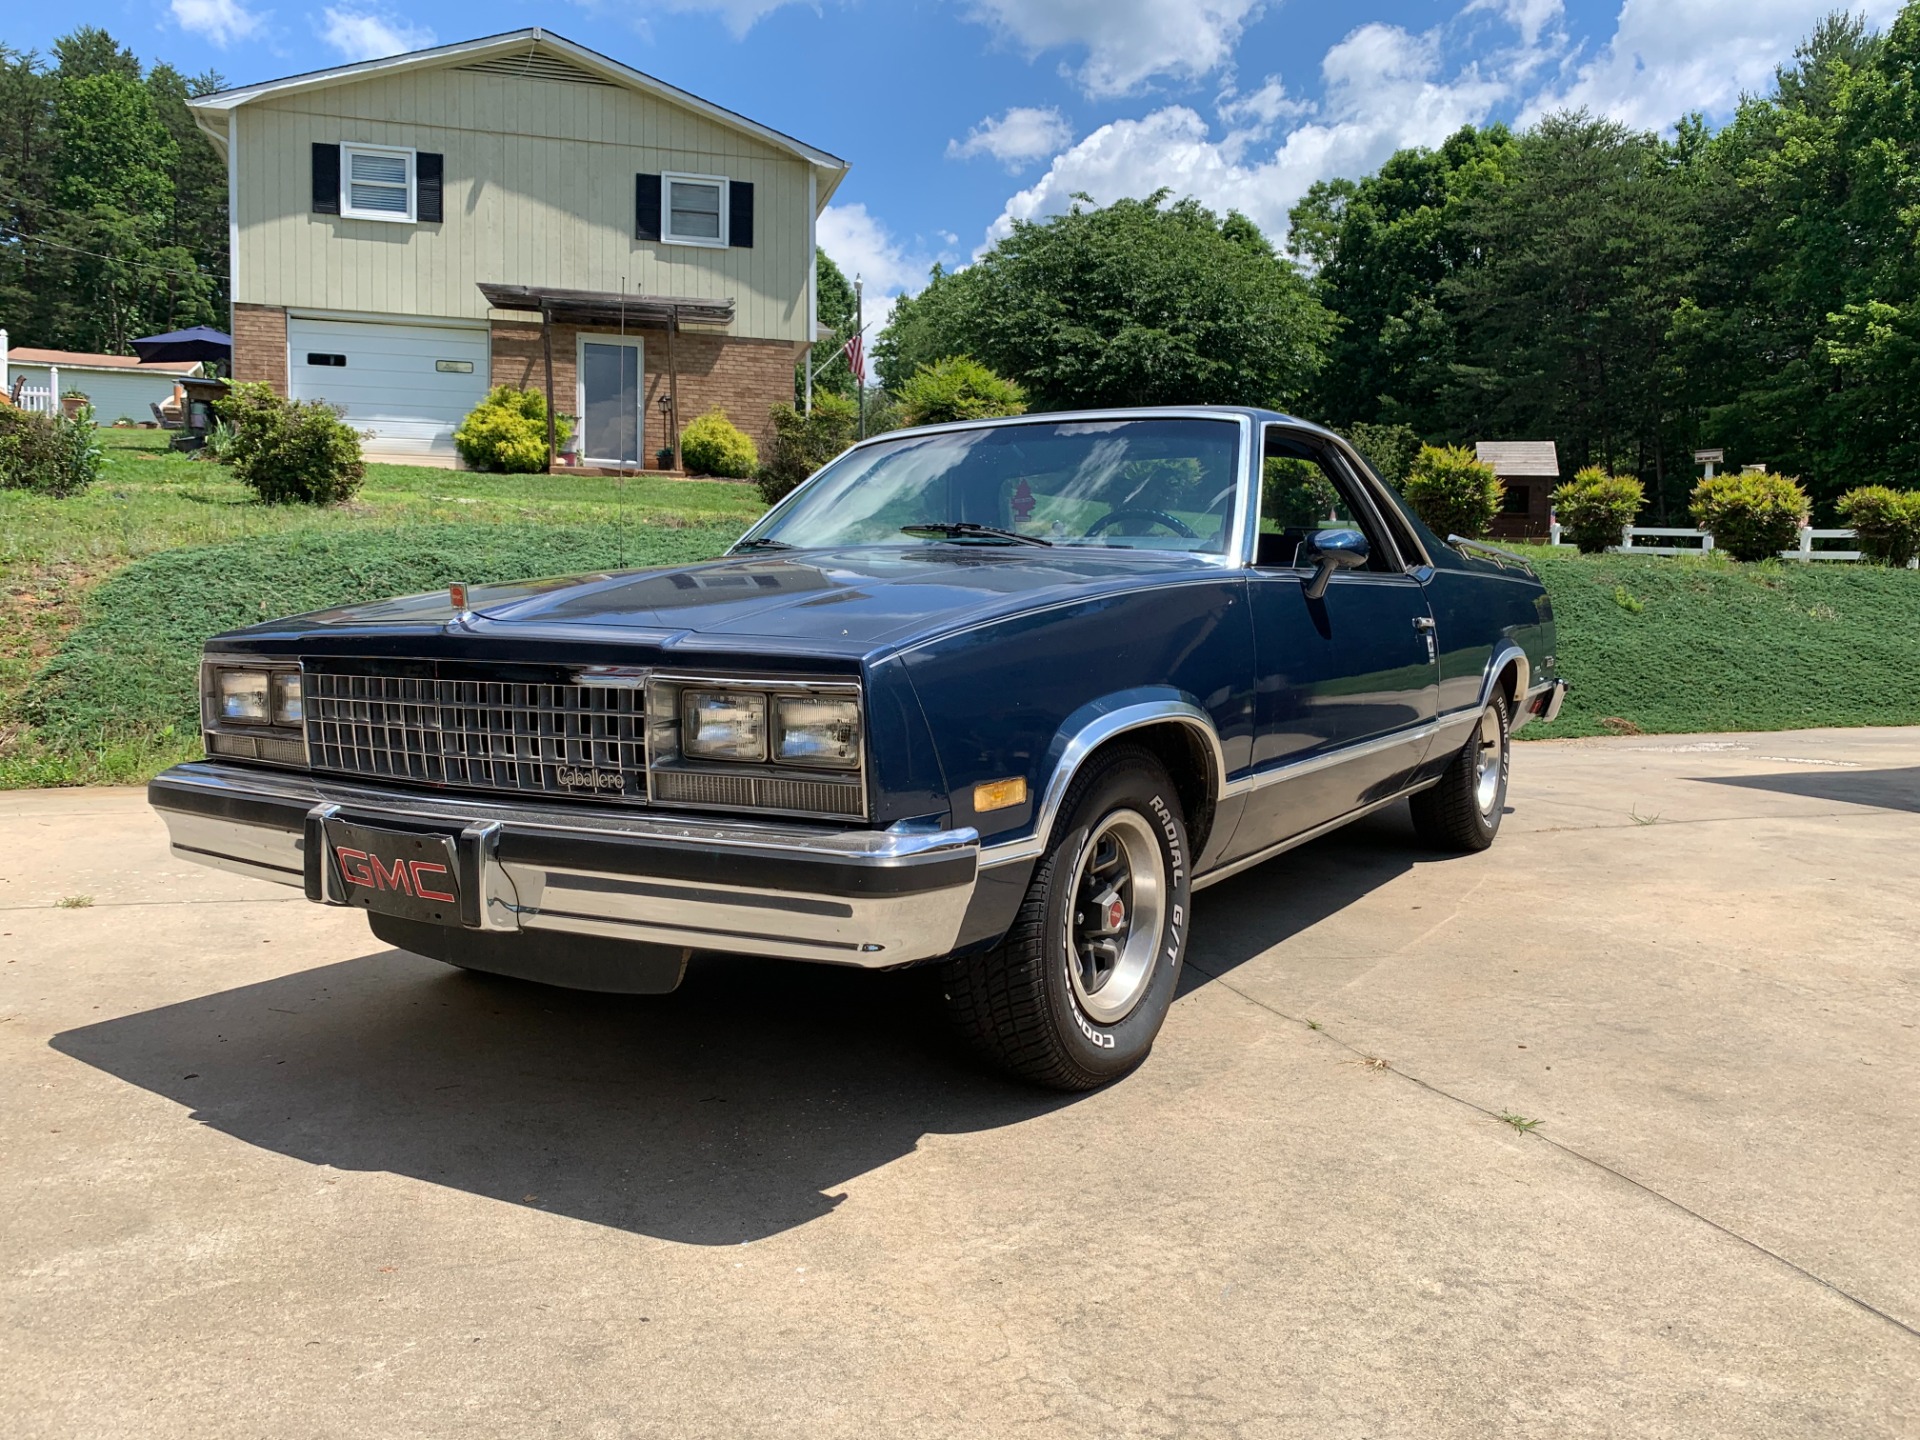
{"points": [[263, 1176]]}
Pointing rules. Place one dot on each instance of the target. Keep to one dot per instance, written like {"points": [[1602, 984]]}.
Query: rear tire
{"points": [[1074, 995], [1462, 813]]}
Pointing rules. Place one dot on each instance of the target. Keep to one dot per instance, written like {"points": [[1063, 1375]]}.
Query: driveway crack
{"points": [[1568, 1150]]}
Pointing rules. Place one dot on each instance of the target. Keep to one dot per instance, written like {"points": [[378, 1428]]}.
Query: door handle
{"points": [[1424, 624]]}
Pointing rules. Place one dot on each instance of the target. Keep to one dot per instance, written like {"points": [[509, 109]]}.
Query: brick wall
{"points": [[743, 377], [260, 345]]}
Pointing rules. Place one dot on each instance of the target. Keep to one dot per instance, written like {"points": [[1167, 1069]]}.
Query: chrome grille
{"points": [[480, 734], [758, 792]]}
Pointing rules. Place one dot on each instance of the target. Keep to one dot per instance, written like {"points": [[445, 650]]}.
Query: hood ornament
{"points": [[457, 597]]}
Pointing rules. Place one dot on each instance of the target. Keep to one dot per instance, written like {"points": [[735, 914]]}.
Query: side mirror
{"points": [[1331, 550]]}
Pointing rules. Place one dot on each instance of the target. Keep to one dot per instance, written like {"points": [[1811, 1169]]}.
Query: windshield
{"points": [[1116, 484]]}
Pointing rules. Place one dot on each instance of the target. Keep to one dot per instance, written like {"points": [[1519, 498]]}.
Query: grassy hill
{"points": [[1677, 644]]}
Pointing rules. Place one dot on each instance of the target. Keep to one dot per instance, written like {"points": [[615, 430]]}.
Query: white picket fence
{"points": [[1673, 540]]}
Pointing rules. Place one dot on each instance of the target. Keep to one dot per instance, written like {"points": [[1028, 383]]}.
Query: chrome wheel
{"points": [[1490, 778], [1119, 903]]}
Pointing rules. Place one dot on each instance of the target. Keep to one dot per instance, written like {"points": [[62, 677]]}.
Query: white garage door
{"points": [[403, 387]]}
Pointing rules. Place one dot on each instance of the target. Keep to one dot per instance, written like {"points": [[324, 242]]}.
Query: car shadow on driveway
{"points": [[1244, 917], [1881, 789], [728, 1111]]}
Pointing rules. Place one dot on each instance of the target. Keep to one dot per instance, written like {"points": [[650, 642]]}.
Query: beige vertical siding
{"points": [[539, 191]]}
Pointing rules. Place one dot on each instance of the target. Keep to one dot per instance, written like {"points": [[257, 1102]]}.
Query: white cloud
{"points": [[863, 248], [1262, 108], [1669, 57], [368, 35], [1530, 17], [221, 21], [740, 16], [1128, 42], [1384, 89], [1019, 137]]}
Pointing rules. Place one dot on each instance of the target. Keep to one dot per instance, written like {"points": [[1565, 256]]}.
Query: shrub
{"points": [[1296, 492], [1594, 507], [290, 450], [1452, 492], [714, 445], [802, 443], [507, 432], [53, 455], [1751, 517], [1390, 449], [1886, 520], [958, 388]]}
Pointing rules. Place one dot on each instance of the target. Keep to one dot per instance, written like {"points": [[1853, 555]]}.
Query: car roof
{"points": [[1255, 413]]}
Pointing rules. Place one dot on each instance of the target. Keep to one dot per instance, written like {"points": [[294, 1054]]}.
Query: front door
{"points": [[1348, 682], [611, 402]]}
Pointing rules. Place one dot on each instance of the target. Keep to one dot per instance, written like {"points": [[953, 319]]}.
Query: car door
{"points": [[1346, 684]]}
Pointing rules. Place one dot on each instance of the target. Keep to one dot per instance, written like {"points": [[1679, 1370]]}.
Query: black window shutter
{"points": [[646, 207], [740, 214], [326, 179], [428, 170]]}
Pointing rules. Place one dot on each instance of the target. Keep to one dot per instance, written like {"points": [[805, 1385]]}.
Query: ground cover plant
{"points": [[118, 700], [54, 551], [1678, 644]]}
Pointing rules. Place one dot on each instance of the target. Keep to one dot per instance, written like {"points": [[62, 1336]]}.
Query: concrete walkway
{"points": [[263, 1176]]}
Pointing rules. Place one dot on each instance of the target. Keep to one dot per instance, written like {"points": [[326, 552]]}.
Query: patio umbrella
{"points": [[202, 342]]}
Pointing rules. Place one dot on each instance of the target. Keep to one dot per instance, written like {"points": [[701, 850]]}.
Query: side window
{"points": [[1303, 490]]}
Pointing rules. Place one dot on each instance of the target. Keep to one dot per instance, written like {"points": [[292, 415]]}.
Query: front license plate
{"points": [[396, 873]]}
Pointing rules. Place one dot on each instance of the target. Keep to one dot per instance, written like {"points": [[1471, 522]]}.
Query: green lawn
{"points": [[55, 556], [109, 595]]}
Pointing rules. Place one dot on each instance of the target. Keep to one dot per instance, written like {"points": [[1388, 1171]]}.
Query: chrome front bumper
{"points": [[870, 898]]}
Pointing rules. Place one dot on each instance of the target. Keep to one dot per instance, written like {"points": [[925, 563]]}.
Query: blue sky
{"points": [[959, 115]]}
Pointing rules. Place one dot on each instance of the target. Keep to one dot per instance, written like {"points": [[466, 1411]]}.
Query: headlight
{"points": [[723, 725], [288, 708], [809, 731], [243, 696]]}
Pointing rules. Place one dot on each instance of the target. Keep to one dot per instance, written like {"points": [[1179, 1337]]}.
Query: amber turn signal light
{"points": [[999, 795]]}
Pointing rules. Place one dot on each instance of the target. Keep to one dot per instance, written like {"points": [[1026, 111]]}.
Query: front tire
{"points": [[1074, 995], [1462, 813]]}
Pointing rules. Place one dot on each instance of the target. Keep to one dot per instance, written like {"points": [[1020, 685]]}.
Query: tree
{"points": [[112, 205], [834, 293], [1137, 303]]}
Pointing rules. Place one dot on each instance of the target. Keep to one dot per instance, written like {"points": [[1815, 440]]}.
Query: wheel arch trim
{"points": [[1084, 734]]}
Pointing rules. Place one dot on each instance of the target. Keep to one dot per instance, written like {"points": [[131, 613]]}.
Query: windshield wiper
{"points": [[763, 542], [968, 530]]}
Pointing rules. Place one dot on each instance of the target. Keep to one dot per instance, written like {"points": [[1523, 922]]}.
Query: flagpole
{"points": [[860, 329]]}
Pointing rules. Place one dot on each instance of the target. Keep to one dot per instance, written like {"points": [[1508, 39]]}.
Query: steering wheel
{"points": [[1159, 517]]}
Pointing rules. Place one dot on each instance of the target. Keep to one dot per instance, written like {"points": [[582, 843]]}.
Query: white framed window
{"points": [[377, 182], [694, 210]]}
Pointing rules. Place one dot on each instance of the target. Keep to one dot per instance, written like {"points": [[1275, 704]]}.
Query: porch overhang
{"points": [[605, 307]]}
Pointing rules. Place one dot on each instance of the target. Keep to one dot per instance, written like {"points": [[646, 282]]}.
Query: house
{"points": [[119, 387], [1529, 469], [517, 210]]}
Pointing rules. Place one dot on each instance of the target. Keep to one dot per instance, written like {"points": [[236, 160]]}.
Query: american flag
{"points": [[856, 353]]}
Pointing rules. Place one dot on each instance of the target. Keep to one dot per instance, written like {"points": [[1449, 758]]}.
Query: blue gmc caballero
{"points": [[1000, 695]]}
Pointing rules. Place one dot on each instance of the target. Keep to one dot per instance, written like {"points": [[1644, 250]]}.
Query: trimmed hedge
{"points": [[1886, 520], [1595, 507], [1453, 492], [714, 445], [1751, 517]]}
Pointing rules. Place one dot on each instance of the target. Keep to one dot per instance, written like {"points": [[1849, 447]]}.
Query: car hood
{"points": [[844, 599]]}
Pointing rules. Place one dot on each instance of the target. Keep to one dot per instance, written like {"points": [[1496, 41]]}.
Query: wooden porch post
{"points": [[546, 347], [673, 388]]}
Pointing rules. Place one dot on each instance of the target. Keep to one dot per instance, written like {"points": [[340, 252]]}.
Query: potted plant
{"points": [[664, 457], [569, 428], [72, 402]]}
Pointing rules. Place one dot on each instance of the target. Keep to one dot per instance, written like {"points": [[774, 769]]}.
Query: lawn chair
{"points": [[160, 416]]}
